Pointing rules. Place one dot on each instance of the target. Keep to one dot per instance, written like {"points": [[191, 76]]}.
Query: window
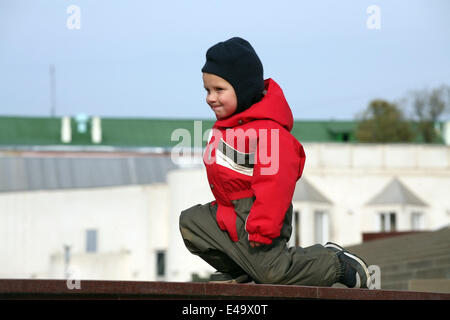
{"points": [[91, 241], [387, 222], [321, 227], [160, 263], [417, 221]]}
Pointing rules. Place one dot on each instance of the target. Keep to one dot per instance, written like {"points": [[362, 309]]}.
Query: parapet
{"points": [[94, 289]]}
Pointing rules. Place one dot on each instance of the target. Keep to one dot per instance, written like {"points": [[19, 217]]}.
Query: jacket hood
{"points": [[273, 106]]}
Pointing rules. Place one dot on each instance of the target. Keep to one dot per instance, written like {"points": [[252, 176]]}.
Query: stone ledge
{"points": [[95, 289]]}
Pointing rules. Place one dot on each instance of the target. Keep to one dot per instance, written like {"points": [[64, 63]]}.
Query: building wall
{"points": [[187, 187], [351, 175], [131, 223]]}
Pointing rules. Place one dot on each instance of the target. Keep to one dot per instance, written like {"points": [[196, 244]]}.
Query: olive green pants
{"points": [[270, 264]]}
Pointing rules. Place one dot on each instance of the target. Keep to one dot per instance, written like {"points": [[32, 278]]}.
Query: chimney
{"points": [[66, 130], [96, 130], [446, 132]]}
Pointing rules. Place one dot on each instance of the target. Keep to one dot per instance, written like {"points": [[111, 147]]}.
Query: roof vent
{"points": [[81, 119]]}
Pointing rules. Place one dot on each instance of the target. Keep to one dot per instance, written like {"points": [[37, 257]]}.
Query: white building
{"points": [[118, 213]]}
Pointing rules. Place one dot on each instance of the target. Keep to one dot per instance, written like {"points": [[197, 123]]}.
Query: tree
{"points": [[383, 122], [427, 107]]}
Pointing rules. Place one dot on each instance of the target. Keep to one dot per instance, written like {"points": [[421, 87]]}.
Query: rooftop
{"points": [[406, 259], [140, 132], [396, 193], [48, 171]]}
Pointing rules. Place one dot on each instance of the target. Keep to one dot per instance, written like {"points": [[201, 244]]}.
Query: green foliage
{"points": [[383, 122], [428, 107]]}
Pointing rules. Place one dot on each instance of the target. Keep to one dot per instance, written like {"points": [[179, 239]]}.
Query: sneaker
{"points": [[333, 246], [220, 277], [337, 248], [355, 271]]}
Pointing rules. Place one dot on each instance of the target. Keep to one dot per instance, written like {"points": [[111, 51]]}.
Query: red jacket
{"points": [[252, 153]]}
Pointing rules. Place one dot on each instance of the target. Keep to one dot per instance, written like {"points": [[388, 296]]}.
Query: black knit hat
{"points": [[236, 61]]}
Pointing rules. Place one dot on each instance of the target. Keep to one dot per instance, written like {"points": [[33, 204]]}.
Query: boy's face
{"points": [[221, 96]]}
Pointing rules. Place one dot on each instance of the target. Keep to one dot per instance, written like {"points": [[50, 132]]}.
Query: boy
{"points": [[253, 163]]}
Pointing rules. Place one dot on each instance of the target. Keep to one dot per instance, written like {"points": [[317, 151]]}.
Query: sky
{"points": [[142, 58]]}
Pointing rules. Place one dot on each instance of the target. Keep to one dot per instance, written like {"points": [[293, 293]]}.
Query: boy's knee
{"points": [[184, 219], [188, 217], [185, 225]]}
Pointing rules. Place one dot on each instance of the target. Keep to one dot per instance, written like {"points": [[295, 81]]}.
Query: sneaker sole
{"points": [[241, 279], [332, 245]]}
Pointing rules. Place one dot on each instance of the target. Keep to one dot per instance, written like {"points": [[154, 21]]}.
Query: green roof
{"points": [[324, 131], [141, 132]]}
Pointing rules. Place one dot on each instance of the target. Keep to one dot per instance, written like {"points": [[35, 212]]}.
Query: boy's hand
{"points": [[255, 244]]}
